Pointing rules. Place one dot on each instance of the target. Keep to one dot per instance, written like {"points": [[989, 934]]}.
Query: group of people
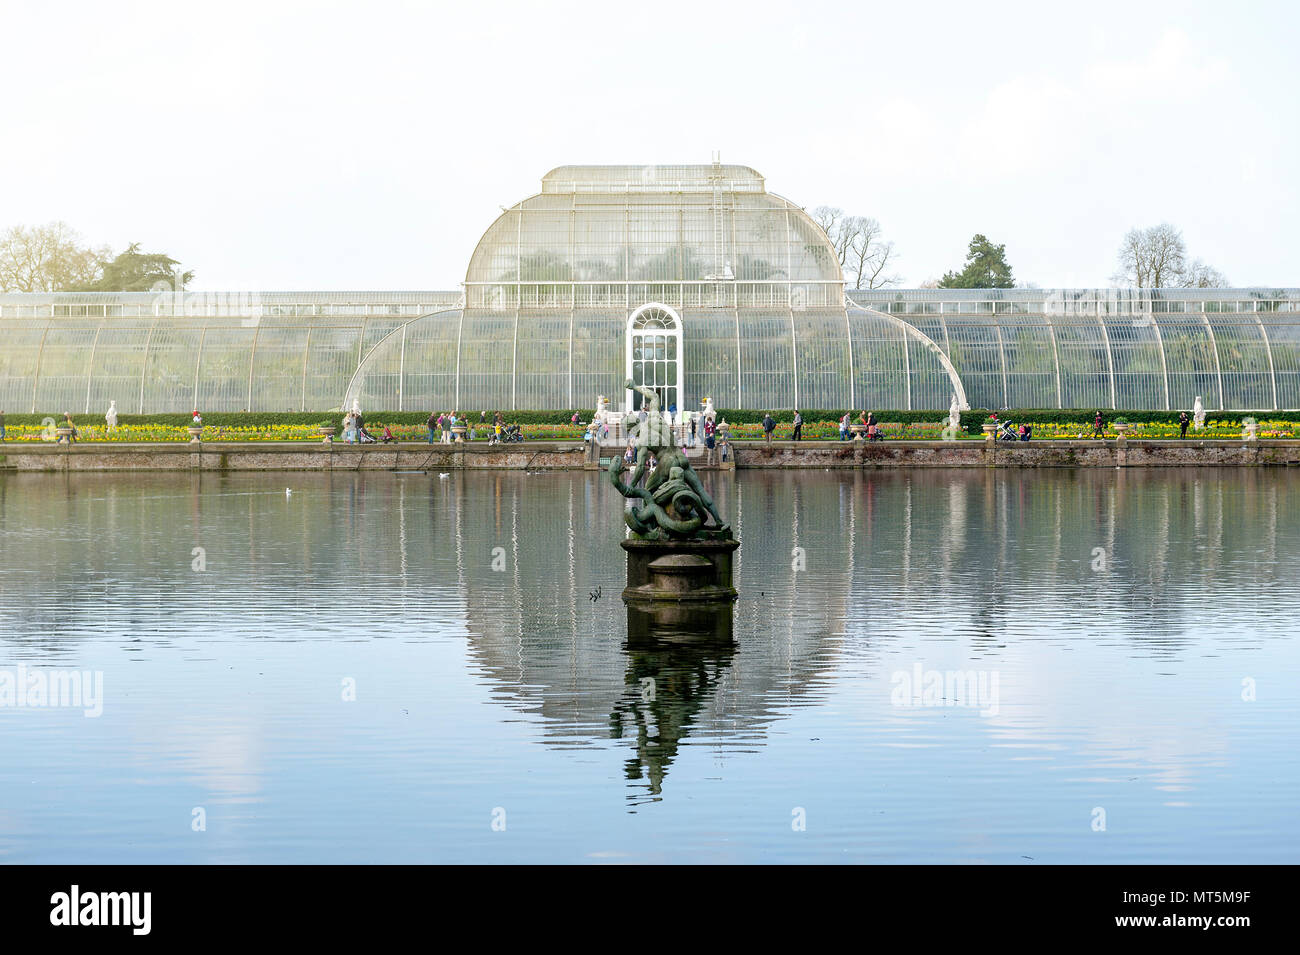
{"points": [[443, 426], [769, 426], [354, 429], [865, 418]]}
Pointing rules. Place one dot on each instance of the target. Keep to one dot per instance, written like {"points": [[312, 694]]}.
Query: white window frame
{"points": [[675, 332]]}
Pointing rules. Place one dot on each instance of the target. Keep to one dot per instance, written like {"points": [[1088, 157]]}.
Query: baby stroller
{"points": [[1006, 432], [512, 435]]}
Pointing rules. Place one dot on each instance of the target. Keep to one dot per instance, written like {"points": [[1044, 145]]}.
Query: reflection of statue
{"points": [[675, 502], [675, 665]]}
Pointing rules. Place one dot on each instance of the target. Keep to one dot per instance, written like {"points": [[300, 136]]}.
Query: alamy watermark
{"points": [[977, 689], [24, 687]]}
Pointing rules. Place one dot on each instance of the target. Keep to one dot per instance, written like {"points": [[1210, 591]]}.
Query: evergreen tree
{"points": [[136, 271], [986, 267]]}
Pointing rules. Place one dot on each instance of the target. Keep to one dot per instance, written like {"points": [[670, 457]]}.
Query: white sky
{"points": [[277, 145]]}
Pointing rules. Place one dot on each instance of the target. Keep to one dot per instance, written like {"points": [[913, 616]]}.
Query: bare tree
{"points": [[1152, 258], [47, 258], [867, 256], [1157, 258], [831, 220], [1199, 275], [862, 254]]}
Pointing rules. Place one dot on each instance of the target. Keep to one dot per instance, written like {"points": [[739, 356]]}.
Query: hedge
{"points": [[263, 419]]}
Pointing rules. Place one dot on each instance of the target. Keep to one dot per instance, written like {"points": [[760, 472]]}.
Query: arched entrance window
{"points": [[654, 355]]}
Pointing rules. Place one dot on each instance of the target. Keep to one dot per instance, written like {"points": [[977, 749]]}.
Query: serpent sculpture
{"points": [[673, 504]]}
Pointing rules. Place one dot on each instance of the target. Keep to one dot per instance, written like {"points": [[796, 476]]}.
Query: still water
{"points": [[412, 668]]}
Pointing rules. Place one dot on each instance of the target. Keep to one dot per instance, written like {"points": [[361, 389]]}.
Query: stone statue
{"points": [[1198, 414], [708, 408], [673, 502], [111, 417]]}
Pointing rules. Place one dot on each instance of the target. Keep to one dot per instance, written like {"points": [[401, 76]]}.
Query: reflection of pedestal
{"points": [[678, 655], [666, 573], [667, 625]]}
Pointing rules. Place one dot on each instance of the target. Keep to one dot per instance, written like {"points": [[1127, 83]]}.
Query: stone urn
{"points": [[458, 433], [327, 434], [724, 431], [990, 431], [195, 434], [1121, 429], [64, 435], [1248, 426], [859, 431]]}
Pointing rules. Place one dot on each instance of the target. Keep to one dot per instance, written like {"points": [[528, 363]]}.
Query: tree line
{"points": [[55, 258], [1155, 257]]}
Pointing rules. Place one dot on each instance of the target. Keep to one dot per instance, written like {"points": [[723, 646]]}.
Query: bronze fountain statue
{"points": [[679, 552], [675, 505]]}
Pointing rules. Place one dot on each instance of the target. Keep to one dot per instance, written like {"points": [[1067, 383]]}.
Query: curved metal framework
{"points": [[1157, 349], [557, 285]]}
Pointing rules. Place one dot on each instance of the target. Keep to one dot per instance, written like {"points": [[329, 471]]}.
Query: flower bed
{"points": [[1215, 429]]}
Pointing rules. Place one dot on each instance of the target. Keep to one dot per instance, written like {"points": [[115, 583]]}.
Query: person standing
{"points": [[844, 427], [67, 423], [798, 426], [694, 424], [432, 425], [2, 424], [1099, 427], [1183, 422], [769, 425]]}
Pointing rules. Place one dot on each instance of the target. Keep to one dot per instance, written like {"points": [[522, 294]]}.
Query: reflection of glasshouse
{"points": [[692, 280]]}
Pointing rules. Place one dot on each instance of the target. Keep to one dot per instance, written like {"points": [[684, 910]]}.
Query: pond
{"points": [[1023, 667]]}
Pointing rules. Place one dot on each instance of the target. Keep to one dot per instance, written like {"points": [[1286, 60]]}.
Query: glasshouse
{"points": [[693, 280]]}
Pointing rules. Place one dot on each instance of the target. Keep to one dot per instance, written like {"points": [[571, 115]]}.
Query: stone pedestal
{"points": [[668, 573], [668, 626]]}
